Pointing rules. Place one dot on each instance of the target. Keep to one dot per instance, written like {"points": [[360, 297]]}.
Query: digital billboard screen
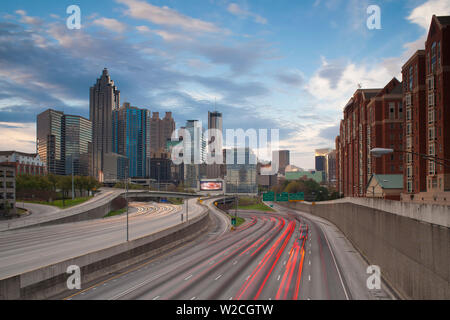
{"points": [[211, 185]]}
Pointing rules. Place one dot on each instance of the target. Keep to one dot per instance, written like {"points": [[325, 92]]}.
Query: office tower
{"points": [[437, 62], [241, 174], [160, 132], [78, 144], [50, 140], [414, 100], [213, 171], [62, 139], [130, 138], [320, 159], [330, 167], [283, 160], [197, 144], [104, 97]]}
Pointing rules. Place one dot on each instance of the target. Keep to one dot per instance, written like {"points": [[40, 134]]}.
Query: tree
{"points": [[64, 184]]}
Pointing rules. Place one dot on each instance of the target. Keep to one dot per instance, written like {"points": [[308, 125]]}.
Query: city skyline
{"points": [[170, 66]]}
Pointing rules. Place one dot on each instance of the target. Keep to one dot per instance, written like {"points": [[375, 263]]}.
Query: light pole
{"points": [[126, 197], [73, 189], [379, 152]]}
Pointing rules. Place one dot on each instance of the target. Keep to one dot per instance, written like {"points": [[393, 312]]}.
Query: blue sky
{"points": [[288, 65]]}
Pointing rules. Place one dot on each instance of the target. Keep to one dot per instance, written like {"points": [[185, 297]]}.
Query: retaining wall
{"points": [[51, 280], [414, 255]]}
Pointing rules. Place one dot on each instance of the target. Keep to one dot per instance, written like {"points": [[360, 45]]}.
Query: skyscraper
{"points": [[78, 144], [241, 171], [214, 122], [104, 98], [63, 140], [50, 140], [130, 133], [160, 132]]}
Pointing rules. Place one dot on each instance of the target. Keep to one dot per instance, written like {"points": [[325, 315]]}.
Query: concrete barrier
{"points": [[51, 280], [414, 255]]}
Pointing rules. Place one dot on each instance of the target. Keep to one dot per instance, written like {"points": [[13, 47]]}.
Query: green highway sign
{"points": [[269, 196], [300, 196], [283, 197]]}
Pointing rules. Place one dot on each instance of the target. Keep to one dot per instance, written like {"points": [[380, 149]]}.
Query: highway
{"points": [[280, 255], [24, 250]]}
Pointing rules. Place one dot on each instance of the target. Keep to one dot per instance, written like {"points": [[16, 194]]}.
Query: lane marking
{"points": [[218, 277], [193, 298], [156, 298], [185, 279], [309, 277]]}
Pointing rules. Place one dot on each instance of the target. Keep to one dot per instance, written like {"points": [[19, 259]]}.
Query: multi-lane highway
{"points": [[24, 250], [280, 255]]}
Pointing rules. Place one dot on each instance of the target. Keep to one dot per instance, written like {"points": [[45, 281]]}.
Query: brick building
{"points": [[25, 163], [373, 118], [427, 97], [414, 100]]}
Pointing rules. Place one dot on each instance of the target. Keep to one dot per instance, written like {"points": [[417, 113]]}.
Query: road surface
{"points": [[24, 250], [281, 255]]}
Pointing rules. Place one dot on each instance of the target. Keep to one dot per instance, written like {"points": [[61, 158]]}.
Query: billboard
{"points": [[211, 185]]}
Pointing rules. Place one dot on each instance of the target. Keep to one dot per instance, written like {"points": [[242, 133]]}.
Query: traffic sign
{"points": [[283, 197], [269, 196], [233, 221]]}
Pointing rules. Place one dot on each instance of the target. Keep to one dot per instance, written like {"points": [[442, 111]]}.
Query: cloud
{"points": [[21, 137], [111, 24], [422, 14], [235, 9], [330, 133], [292, 78], [166, 17], [27, 19]]}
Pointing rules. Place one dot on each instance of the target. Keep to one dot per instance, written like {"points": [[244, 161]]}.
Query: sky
{"points": [[288, 64]]}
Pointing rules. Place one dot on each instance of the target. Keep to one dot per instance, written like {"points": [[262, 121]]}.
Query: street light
{"points": [[126, 196], [379, 152]]}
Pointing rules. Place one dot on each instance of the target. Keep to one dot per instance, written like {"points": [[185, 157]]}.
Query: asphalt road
{"points": [[282, 255], [24, 250]]}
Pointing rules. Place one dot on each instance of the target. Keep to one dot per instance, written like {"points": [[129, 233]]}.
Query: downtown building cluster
{"points": [[412, 118], [123, 142]]}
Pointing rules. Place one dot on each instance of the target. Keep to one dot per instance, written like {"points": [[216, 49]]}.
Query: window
{"points": [[431, 100], [410, 78], [431, 149], [408, 115], [432, 167], [431, 116], [391, 110], [410, 187], [431, 83], [408, 100], [408, 129], [431, 133]]}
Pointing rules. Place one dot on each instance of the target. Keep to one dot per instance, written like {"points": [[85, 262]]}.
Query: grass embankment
{"points": [[246, 203], [116, 213], [59, 203], [175, 201], [239, 221]]}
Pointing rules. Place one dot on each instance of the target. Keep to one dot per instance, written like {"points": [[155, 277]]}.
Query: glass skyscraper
{"points": [[130, 138], [63, 139], [78, 141], [241, 171]]}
